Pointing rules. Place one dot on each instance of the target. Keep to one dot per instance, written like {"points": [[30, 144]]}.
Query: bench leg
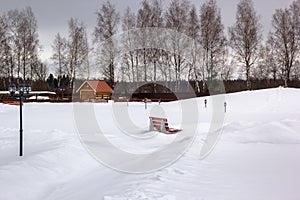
{"points": [[163, 127], [151, 125]]}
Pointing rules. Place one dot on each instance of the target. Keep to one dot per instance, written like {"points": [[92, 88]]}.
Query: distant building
{"points": [[94, 90]]}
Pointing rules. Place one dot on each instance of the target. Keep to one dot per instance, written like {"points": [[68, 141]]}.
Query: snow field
{"points": [[256, 157]]}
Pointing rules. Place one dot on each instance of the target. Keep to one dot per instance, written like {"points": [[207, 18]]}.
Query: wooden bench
{"points": [[161, 124]]}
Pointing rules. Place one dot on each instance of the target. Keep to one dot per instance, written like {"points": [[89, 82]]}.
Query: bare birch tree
{"points": [[143, 21], [59, 49], [156, 21], [32, 44], [5, 50], [212, 39], [245, 36], [193, 31], [24, 41], [77, 50], [176, 18], [130, 58], [107, 21], [286, 39]]}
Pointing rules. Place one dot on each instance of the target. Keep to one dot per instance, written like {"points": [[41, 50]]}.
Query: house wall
{"points": [[101, 95], [86, 92], [86, 95]]}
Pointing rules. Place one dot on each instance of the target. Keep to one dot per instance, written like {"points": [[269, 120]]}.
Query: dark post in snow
{"points": [[145, 101], [22, 89], [225, 104], [205, 102]]}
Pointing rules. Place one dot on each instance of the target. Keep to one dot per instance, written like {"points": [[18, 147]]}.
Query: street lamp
{"points": [[27, 89], [23, 89], [12, 89]]}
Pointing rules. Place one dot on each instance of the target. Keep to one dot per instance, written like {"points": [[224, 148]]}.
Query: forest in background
{"points": [[214, 52]]}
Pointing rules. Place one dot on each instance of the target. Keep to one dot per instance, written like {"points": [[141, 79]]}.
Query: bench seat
{"points": [[161, 125]]}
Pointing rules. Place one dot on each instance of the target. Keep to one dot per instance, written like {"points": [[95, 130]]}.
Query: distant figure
{"points": [[159, 100], [205, 102], [225, 104]]}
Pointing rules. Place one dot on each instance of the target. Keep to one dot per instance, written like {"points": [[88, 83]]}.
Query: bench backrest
{"points": [[159, 124]]}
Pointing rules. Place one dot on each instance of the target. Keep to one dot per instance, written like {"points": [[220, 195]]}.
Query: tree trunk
{"points": [[248, 77], [145, 68]]}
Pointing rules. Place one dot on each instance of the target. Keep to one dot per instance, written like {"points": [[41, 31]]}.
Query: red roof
{"points": [[98, 86]]}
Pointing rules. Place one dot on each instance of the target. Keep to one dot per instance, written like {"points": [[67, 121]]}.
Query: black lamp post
{"points": [[23, 89], [12, 89]]}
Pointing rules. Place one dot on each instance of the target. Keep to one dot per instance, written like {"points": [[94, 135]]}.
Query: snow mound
{"points": [[277, 132]]}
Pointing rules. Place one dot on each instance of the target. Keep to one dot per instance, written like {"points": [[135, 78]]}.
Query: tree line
{"points": [[19, 46], [196, 48]]}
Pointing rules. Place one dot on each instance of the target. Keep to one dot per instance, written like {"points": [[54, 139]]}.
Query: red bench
{"points": [[161, 124]]}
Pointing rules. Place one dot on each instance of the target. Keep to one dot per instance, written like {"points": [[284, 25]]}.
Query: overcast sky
{"points": [[53, 15]]}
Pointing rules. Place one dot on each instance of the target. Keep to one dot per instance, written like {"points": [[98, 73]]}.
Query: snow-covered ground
{"points": [[256, 157]]}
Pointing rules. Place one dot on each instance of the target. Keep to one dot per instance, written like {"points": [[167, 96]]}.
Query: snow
{"points": [[255, 157], [39, 98]]}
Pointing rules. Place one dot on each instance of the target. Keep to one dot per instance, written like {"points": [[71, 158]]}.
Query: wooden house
{"points": [[94, 90]]}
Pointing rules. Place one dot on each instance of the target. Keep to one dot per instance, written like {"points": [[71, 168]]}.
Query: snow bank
{"points": [[257, 156]]}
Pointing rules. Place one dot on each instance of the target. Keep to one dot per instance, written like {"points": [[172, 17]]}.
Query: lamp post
{"points": [[12, 89], [23, 89]]}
